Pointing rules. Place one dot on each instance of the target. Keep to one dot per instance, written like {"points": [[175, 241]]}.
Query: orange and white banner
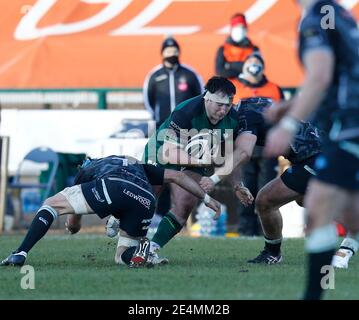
{"points": [[114, 43]]}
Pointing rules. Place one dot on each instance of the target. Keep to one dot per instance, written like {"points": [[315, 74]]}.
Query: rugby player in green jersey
{"points": [[200, 133]]}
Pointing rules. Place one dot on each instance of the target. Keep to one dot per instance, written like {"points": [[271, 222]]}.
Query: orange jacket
{"points": [[235, 54], [267, 89]]}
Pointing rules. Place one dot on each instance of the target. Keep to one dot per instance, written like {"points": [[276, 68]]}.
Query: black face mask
{"points": [[172, 60]]}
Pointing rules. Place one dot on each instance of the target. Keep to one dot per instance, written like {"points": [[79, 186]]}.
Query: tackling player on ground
{"points": [[118, 186]]}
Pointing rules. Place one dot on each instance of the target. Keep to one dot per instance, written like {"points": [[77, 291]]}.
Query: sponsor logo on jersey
{"points": [[144, 201]]}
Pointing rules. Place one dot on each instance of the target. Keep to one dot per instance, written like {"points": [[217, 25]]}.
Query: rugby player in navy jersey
{"points": [[329, 51], [290, 186], [118, 186]]}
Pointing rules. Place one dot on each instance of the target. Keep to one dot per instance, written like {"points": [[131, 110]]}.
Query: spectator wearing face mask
{"points": [[164, 88], [170, 83], [237, 47], [252, 82]]}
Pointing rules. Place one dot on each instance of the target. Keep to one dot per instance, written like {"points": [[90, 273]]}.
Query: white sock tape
{"points": [[206, 199], [273, 241], [215, 178], [50, 210], [126, 242], [350, 243], [290, 124]]}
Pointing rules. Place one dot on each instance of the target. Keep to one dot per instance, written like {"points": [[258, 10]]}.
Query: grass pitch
{"points": [[82, 267]]}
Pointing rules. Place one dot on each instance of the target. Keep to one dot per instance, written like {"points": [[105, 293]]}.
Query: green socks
{"points": [[167, 229]]}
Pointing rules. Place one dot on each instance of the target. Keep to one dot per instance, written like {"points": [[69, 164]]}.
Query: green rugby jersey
{"points": [[190, 114]]}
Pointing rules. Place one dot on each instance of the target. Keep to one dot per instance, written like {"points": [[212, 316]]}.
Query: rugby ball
{"points": [[202, 144]]}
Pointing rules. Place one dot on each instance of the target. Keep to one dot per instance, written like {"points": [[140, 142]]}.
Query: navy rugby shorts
{"points": [[125, 200], [339, 165], [297, 176]]}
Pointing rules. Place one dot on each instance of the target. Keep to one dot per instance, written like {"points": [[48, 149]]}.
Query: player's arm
{"points": [[241, 191], [157, 176], [243, 150], [319, 62], [187, 183], [319, 70], [319, 65], [276, 112], [317, 51]]}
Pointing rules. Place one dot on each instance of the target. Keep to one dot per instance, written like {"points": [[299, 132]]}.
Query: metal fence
{"points": [[101, 98]]}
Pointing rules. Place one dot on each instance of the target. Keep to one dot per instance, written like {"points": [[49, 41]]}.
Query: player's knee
{"points": [[50, 201], [321, 198], [187, 209], [317, 208], [313, 202], [57, 202], [262, 203], [182, 211]]}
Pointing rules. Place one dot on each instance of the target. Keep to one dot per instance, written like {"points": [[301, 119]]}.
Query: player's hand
{"points": [[73, 223], [215, 206], [207, 184], [244, 195], [277, 142], [277, 111]]}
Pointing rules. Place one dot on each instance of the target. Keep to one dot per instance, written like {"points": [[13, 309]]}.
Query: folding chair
{"points": [[39, 156]]}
